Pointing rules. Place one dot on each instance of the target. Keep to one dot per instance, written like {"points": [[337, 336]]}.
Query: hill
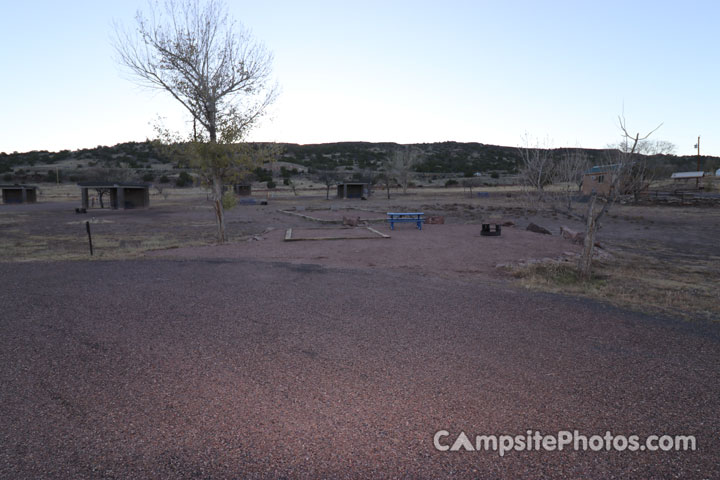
{"points": [[143, 160]]}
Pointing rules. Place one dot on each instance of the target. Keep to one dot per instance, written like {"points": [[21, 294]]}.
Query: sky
{"points": [[494, 72]]}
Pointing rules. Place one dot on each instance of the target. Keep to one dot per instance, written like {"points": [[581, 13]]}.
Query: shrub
{"points": [[148, 177], [52, 176], [451, 182], [494, 175], [229, 200], [263, 175], [271, 184], [7, 177], [184, 180], [286, 181], [164, 179]]}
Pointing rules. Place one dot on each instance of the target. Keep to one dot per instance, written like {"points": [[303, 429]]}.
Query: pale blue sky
{"points": [[396, 71]]}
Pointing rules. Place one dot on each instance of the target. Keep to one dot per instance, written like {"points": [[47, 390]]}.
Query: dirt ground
{"points": [[164, 356], [655, 259], [451, 251]]}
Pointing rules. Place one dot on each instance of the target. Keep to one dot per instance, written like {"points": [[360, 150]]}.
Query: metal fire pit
{"points": [[486, 232]]}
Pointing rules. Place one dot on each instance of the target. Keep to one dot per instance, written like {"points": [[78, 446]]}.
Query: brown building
{"points": [[598, 179], [353, 190], [19, 193], [122, 195]]}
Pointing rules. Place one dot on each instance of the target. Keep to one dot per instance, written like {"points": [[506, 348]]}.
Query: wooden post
{"points": [[697, 180], [87, 227], [585, 263], [120, 198]]}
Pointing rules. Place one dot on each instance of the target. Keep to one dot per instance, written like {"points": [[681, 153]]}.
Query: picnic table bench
{"points": [[414, 217]]}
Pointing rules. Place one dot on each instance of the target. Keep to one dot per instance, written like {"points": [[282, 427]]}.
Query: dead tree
{"points": [[469, 184], [622, 171], [101, 192], [329, 178], [640, 172], [568, 174], [399, 165], [536, 166]]}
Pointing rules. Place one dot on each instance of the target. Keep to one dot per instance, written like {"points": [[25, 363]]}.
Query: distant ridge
{"points": [[438, 157]]}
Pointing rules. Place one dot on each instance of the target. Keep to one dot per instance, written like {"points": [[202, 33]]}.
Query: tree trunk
{"points": [[327, 192], [217, 204], [585, 265], [387, 189]]}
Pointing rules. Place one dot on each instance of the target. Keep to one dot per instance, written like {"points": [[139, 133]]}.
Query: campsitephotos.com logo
{"points": [[563, 440]]}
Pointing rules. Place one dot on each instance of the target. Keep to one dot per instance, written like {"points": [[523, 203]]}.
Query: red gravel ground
{"points": [[451, 251], [237, 368]]}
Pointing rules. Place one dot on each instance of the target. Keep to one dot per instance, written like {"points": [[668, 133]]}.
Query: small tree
{"points": [[537, 168], [623, 172], [328, 178], [399, 165], [469, 184], [568, 174], [214, 69], [641, 170]]}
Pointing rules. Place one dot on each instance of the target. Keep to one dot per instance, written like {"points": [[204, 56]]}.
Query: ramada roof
{"points": [[113, 184]]}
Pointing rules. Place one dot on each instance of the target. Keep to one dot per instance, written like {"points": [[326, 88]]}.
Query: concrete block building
{"points": [[122, 195]]}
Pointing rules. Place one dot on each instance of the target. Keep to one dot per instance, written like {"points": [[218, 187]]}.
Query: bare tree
{"points": [[213, 67], [399, 165], [537, 166], [469, 184], [641, 169], [385, 178], [568, 174], [622, 171], [329, 178]]}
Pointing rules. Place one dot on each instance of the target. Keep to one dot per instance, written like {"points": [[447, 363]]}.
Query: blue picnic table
{"points": [[414, 217]]}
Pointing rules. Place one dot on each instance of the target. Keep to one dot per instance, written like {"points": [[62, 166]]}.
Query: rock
{"points": [[575, 237], [538, 229], [351, 222], [436, 220]]}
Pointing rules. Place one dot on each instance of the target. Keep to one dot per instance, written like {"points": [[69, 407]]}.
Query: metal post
{"points": [[87, 227]]}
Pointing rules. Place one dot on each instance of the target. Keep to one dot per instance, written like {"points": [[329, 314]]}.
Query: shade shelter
{"points": [[353, 190], [122, 195], [19, 193], [242, 189]]}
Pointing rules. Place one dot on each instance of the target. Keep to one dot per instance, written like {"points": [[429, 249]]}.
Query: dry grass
{"points": [[75, 247], [687, 289]]}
